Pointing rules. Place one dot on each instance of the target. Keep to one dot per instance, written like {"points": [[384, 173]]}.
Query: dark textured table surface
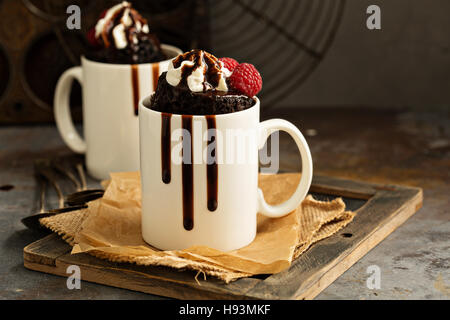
{"points": [[375, 145]]}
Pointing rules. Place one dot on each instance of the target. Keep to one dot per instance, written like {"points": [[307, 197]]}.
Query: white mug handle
{"points": [[61, 109], [265, 129]]}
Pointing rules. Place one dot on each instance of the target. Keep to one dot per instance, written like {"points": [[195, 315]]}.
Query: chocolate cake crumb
{"points": [[180, 100]]}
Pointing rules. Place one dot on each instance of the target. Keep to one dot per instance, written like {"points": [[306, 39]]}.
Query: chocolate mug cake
{"points": [[123, 66], [197, 83], [122, 36]]}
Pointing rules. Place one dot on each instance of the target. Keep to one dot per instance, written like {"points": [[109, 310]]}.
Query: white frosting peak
{"points": [[197, 80], [108, 16], [119, 32]]}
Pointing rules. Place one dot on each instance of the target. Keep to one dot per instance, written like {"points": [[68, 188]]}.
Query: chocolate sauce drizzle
{"points": [[187, 168], [135, 83], [135, 87], [211, 166], [187, 172], [165, 148], [155, 73], [212, 71]]}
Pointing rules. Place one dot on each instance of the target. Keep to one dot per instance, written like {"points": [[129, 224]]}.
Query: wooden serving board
{"points": [[380, 210]]}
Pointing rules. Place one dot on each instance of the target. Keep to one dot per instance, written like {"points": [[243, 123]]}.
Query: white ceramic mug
{"points": [[197, 201], [111, 94]]}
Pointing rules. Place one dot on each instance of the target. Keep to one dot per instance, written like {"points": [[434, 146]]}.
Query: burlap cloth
{"points": [[110, 228]]}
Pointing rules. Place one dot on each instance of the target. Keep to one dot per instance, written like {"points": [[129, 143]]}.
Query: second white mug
{"points": [[111, 94]]}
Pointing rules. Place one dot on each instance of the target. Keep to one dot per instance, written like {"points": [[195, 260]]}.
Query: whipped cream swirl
{"points": [[200, 71], [123, 30]]}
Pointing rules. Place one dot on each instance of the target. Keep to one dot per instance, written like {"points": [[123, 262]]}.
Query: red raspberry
{"points": [[103, 14], [90, 36], [246, 79], [229, 63]]}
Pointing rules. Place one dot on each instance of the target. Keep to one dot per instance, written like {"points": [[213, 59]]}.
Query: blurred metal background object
{"points": [[285, 40]]}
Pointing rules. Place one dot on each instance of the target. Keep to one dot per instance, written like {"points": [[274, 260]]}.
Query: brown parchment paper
{"points": [[110, 228]]}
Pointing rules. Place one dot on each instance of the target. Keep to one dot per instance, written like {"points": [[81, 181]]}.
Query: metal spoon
{"points": [[62, 168], [33, 222], [81, 197], [42, 176]]}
